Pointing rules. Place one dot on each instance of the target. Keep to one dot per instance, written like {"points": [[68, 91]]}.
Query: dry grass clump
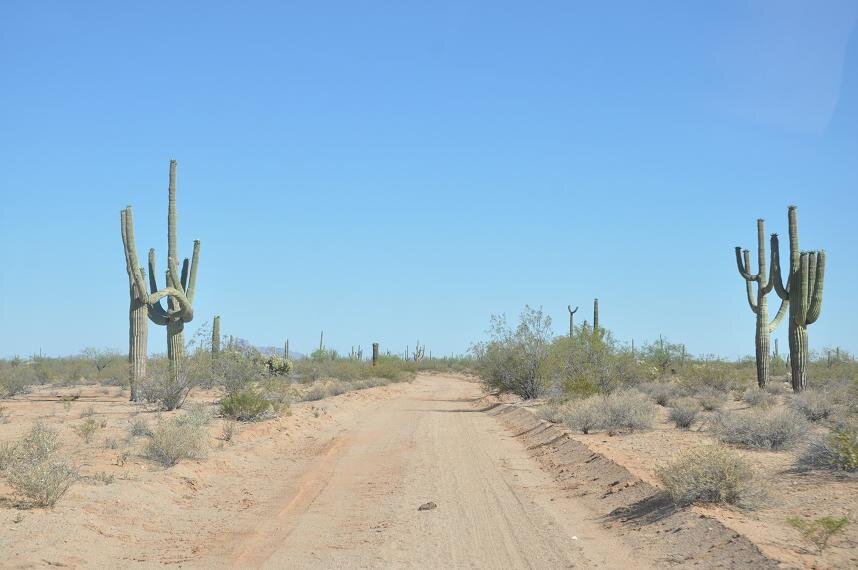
{"points": [[626, 410], [139, 427], [683, 412], [759, 398], [551, 411], [709, 474], [814, 404], [768, 429], [711, 398], [30, 466], [177, 439], [661, 392], [837, 450], [316, 392]]}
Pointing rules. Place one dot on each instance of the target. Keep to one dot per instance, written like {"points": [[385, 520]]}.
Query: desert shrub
{"points": [[711, 398], [139, 427], [111, 443], [196, 414], [30, 466], [709, 474], [86, 429], [818, 531], [172, 441], [315, 393], [16, 380], [551, 411], [777, 388], [683, 412], [279, 366], [627, 411], [337, 388], [163, 388], [837, 450], [620, 411], [88, 412], [769, 429], [514, 360], [245, 405], [661, 392], [814, 404], [589, 363], [228, 430], [585, 416], [759, 398]]}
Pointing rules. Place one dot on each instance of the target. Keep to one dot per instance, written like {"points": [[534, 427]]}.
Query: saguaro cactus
{"points": [[572, 320], [803, 290], [216, 336], [759, 302], [596, 328], [374, 353], [180, 287], [286, 349]]}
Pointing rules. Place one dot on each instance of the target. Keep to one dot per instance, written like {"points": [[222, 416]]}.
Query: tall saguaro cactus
{"points": [[216, 336], [596, 328], [180, 287], [759, 302], [803, 290], [572, 320], [374, 353]]}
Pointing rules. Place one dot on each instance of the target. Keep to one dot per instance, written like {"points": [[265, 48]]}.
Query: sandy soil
{"points": [[789, 492], [338, 485]]}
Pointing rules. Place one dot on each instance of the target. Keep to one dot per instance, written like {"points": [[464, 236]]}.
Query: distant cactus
{"points": [[419, 352], [374, 353], [803, 290], [216, 336], [278, 366], [759, 302], [572, 320], [596, 328], [286, 349], [179, 292]]}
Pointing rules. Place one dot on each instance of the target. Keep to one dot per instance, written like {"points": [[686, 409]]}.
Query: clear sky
{"points": [[396, 171]]}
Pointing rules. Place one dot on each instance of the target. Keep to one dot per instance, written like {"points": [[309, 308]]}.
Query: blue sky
{"points": [[400, 171]]}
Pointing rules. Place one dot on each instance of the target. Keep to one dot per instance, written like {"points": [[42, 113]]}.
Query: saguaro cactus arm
{"points": [[572, 311], [776, 321], [816, 298]]}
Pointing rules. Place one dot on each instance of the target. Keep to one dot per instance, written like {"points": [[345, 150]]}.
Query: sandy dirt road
{"points": [[354, 503]]}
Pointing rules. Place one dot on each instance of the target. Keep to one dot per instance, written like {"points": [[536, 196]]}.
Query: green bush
{"points": [[711, 398], [709, 474], [246, 405], [515, 360]]}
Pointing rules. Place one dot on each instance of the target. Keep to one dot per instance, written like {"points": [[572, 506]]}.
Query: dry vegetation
{"points": [[735, 443]]}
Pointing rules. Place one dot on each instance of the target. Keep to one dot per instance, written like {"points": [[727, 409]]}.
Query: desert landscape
{"points": [[448, 285]]}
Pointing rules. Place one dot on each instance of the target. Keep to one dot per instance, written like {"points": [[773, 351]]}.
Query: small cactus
{"points": [[572, 320]]}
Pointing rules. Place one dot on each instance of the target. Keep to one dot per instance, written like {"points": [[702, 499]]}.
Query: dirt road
{"points": [[355, 503]]}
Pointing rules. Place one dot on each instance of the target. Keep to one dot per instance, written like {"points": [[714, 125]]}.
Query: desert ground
{"points": [[338, 483]]}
